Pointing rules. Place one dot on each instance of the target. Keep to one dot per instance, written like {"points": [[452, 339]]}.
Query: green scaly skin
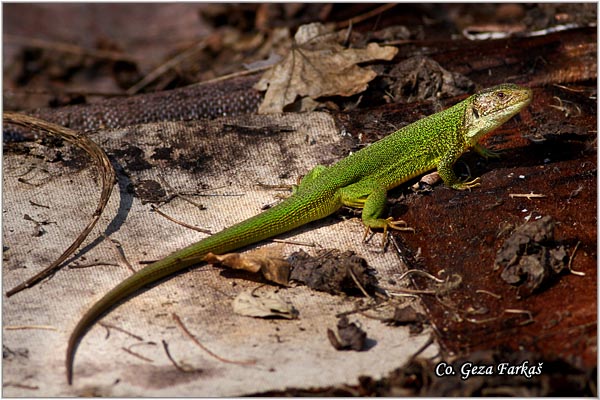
{"points": [[360, 180]]}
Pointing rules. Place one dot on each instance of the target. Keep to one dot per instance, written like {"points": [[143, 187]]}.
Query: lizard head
{"points": [[492, 107]]}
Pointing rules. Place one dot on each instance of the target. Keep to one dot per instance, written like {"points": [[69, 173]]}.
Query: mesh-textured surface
{"points": [[229, 162]]}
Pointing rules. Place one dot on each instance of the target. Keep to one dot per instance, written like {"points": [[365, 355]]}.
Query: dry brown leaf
{"points": [[317, 66], [266, 260], [349, 336]]}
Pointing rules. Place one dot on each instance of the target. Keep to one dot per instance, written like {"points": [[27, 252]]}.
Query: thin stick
{"points": [[166, 66], [111, 326], [20, 386], [233, 75], [22, 327], [284, 241], [133, 353], [33, 203], [410, 292], [94, 264], [355, 279], [528, 196], [365, 16], [188, 334], [179, 367], [578, 273], [176, 193], [120, 253], [107, 174], [202, 230], [69, 48], [529, 320], [428, 343], [497, 296], [419, 272]]}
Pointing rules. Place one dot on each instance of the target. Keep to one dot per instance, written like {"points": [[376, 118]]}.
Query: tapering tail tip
{"points": [[70, 358]]}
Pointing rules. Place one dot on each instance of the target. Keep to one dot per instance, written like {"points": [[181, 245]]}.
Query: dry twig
{"points": [[107, 174], [111, 326], [69, 48], [202, 230], [188, 334]]}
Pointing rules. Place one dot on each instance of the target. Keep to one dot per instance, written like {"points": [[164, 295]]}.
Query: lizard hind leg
{"points": [[308, 179], [303, 183]]}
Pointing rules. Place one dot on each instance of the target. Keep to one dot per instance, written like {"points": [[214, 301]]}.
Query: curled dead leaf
{"points": [[266, 260], [318, 66], [349, 336]]}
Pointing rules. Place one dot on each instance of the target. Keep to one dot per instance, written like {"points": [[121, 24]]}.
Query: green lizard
{"points": [[360, 180]]}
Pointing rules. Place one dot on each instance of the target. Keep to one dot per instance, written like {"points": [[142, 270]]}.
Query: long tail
{"points": [[123, 290], [284, 217]]}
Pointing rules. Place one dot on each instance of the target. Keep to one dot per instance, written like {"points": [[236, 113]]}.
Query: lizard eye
{"points": [[500, 95]]}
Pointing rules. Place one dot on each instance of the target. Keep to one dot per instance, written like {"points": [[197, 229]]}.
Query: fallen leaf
{"points": [[349, 336], [266, 260], [407, 316], [316, 66]]}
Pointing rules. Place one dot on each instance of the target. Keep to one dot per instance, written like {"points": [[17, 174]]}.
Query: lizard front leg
{"points": [[372, 199], [485, 152], [447, 174]]}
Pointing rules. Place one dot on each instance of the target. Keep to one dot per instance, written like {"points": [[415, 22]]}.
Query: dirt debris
{"points": [[332, 271], [530, 257], [558, 377], [422, 78]]}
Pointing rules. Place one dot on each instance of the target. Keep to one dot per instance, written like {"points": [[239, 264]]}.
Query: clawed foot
{"points": [[467, 184], [390, 223], [486, 153]]}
